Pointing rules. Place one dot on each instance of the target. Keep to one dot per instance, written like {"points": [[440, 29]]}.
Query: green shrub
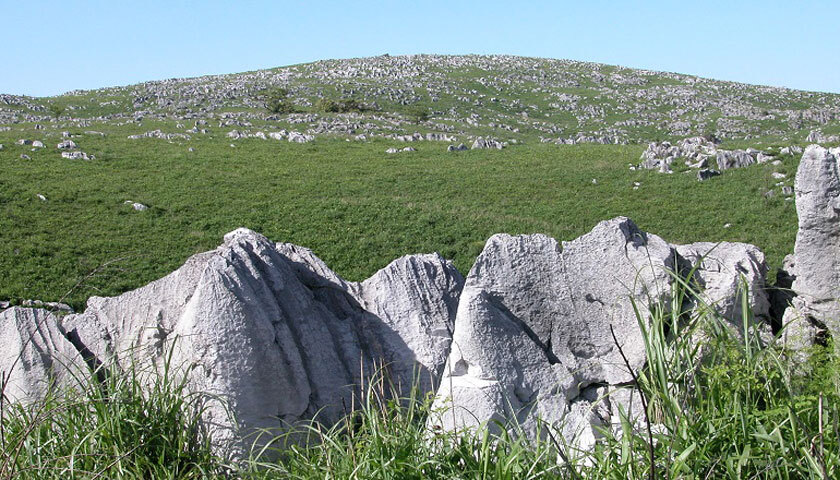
{"points": [[277, 101], [346, 105], [56, 110], [418, 113]]}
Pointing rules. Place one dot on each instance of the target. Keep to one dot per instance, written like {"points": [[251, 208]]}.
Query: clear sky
{"points": [[55, 46]]}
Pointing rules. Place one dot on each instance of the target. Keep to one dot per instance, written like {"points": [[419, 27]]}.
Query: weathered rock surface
{"points": [[533, 325], [75, 155], [694, 149], [723, 272], [276, 334], [733, 159], [35, 355], [816, 254], [706, 174], [532, 340]]}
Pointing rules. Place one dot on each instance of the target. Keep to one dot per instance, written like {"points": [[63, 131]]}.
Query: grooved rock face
{"points": [[816, 253], [532, 334], [35, 355], [276, 334], [817, 248]]}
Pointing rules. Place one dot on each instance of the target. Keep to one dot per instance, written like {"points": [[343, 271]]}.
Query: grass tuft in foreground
{"points": [[132, 425]]}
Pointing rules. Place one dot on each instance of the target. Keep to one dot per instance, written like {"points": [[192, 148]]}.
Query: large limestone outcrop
{"points": [[532, 335], [276, 334], [35, 355], [816, 256], [278, 337], [532, 339]]}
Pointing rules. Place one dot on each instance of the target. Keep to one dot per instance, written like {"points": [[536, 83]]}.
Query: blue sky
{"points": [[55, 46]]}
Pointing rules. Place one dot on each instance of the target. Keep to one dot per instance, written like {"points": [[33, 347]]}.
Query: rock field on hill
{"points": [[447, 99]]}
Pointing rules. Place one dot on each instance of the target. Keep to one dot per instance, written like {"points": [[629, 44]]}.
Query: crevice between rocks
{"points": [[94, 364]]}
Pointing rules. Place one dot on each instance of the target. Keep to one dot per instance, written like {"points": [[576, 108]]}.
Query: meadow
{"points": [[355, 206]]}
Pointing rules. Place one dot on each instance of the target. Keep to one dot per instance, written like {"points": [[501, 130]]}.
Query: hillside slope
{"points": [[504, 97]]}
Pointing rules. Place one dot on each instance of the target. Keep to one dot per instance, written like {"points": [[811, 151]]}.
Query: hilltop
{"points": [[456, 97]]}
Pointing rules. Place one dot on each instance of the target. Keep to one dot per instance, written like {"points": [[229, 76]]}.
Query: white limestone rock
{"points": [[273, 332], [35, 355], [722, 273], [816, 309], [533, 324], [481, 143], [75, 155]]}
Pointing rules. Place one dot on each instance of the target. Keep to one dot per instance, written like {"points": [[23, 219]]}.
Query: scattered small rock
{"points": [[481, 143], [460, 148], [75, 155], [41, 197], [55, 306], [763, 158], [136, 205]]}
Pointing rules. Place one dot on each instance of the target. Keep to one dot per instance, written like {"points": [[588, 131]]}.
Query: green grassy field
{"points": [[353, 205]]}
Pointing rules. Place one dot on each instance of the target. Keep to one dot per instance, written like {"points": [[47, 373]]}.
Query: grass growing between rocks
{"points": [[118, 425], [720, 404]]}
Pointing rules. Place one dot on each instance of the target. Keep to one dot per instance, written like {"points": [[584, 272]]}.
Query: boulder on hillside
{"points": [[727, 159], [481, 143]]}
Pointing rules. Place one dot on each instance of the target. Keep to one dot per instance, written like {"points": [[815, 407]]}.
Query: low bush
{"points": [[277, 101], [346, 105]]}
